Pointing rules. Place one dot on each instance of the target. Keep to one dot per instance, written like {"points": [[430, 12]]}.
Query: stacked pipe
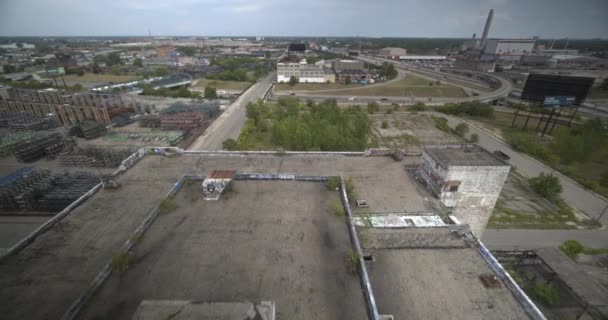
{"points": [[34, 148], [150, 121], [144, 136], [10, 142], [97, 156], [122, 120], [30, 123], [87, 130], [40, 190], [182, 120], [14, 185]]}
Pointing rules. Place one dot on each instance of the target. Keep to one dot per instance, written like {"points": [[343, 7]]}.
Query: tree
{"points": [[162, 71], [384, 124], [138, 62], [113, 59], [293, 81], [347, 80], [210, 93], [547, 185], [19, 45], [183, 92], [229, 144], [461, 129], [9, 68], [372, 107]]}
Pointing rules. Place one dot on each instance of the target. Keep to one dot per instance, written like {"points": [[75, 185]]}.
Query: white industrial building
{"points": [[467, 179], [304, 73], [422, 58], [514, 47]]}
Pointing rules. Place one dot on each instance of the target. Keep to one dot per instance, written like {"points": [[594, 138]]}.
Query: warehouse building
{"points": [[509, 50], [392, 53]]}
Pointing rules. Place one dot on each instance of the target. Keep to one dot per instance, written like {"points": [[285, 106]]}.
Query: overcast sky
{"points": [[374, 18]]}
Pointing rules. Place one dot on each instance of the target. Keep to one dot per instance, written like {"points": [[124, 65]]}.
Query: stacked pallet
{"points": [[34, 149], [40, 190]]}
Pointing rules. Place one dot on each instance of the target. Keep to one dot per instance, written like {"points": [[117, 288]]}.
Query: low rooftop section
{"points": [[462, 155], [430, 283]]}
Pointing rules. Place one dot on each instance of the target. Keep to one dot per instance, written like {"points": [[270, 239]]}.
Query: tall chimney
{"points": [[486, 29]]}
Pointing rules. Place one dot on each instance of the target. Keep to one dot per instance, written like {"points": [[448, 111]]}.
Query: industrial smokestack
{"points": [[486, 29]]}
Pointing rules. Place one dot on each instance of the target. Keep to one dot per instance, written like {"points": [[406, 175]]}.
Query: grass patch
{"points": [[122, 261], [223, 85], [505, 218], [410, 86], [314, 86], [350, 189], [352, 261], [333, 183], [336, 208], [573, 248], [167, 206], [546, 293]]}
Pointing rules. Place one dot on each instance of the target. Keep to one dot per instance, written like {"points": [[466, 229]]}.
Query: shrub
{"points": [[335, 207], [441, 123], [350, 188], [547, 185], [333, 183], [352, 261], [167, 206], [229, 144], [572, 248], [461, 129], [546, 293], [474, 138], [419, 106], [384, 124], [122, 261]]}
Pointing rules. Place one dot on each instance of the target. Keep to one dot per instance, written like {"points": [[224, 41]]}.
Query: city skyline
{"points": [[442, 19]]}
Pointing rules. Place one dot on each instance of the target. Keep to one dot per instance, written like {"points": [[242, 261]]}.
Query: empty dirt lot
{"points": [[265, 240]]}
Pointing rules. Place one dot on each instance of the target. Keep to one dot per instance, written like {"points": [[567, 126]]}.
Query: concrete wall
{"points": [[477, 193]]}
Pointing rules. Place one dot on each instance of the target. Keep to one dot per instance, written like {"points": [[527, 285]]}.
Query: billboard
{"points": [[552, 101], [55, 71], [540, 86]]}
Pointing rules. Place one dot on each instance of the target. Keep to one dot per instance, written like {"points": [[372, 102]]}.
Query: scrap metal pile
{"points": [[97, 156], [26, 122], [88, 130], [28, 189]]}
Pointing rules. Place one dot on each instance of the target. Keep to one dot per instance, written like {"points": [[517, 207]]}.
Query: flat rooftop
{"points": [[53, 271], [462, 155], [433, 283], [262, 241]]}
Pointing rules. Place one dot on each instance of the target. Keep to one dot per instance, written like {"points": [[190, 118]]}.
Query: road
{"points": [[229, 123], [575, 195]]}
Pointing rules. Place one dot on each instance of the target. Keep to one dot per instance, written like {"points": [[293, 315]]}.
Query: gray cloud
{"points": [[408, 18]]}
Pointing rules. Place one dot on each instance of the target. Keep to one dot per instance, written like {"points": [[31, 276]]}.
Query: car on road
{"points": [[352, 98], [384, 99], [502, 155], [292, 94]]}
